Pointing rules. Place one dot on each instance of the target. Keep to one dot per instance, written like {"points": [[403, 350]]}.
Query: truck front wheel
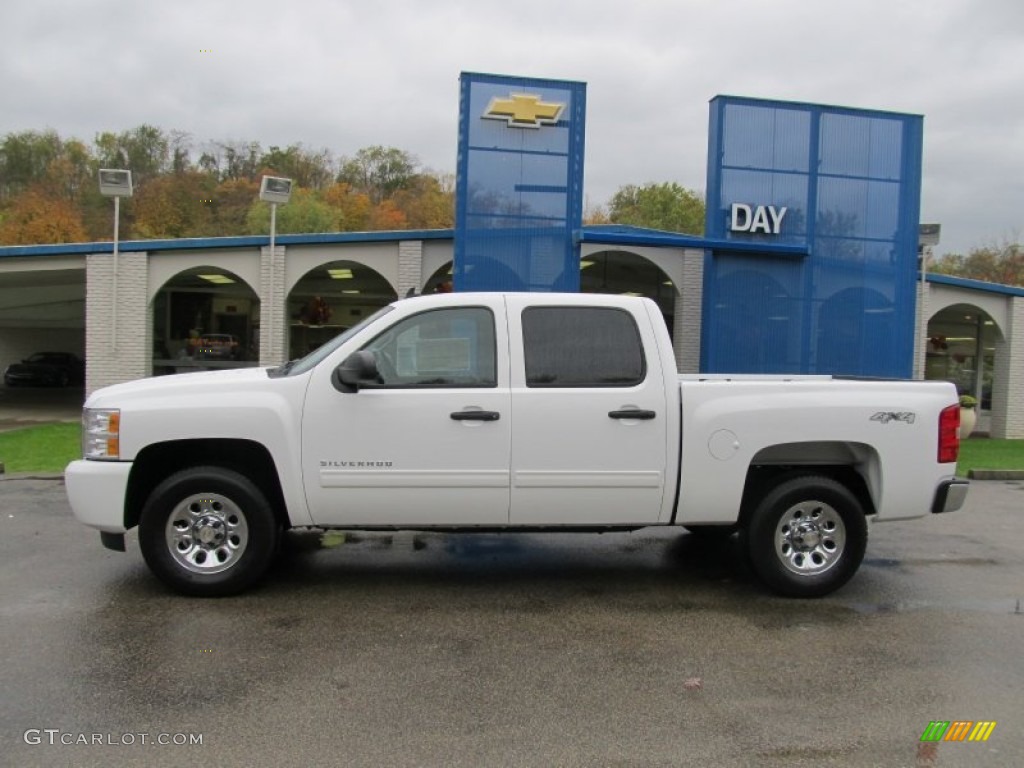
{"points": [[208, 531], [807, 537]]}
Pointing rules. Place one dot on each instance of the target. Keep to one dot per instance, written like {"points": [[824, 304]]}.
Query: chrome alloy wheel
{"points": [[206, 533], [810, 538]]}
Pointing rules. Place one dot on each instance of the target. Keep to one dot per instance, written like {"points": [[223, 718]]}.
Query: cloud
{"points": [[344, 75]]}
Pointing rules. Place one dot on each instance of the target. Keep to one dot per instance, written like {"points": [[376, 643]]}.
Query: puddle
{"points": [[1003, 606]]}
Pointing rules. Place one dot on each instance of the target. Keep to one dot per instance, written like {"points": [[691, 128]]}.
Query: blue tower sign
{"points": [[519, 184], [841, 187]]}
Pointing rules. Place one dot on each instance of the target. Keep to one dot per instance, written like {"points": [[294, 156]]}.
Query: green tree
{"points": [[667, 206], [305, 212], [25, 159], [378, 172], [145, 151], [310, 170]]}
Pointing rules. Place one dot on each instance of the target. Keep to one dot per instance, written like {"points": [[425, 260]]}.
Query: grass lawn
{"points": [[47, 448], [990, 454]]}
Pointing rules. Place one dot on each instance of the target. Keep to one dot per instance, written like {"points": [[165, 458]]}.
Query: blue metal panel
{"points": [[519, 184], [850, 181]]}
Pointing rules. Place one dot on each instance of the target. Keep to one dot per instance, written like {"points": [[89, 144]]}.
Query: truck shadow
{"points": [[597, 564]]}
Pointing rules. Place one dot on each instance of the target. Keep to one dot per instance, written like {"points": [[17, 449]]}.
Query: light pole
{"points": [[116, 184], [276, 191]]}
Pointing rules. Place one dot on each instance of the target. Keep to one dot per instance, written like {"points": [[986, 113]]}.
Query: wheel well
{"points": [[761, 478], [160, 460]]}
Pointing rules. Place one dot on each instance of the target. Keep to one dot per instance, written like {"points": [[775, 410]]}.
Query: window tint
{"points": [[438, 348], [582, 347]]}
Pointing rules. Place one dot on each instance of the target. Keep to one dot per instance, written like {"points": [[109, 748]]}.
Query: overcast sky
{"points": [[346, 74]]}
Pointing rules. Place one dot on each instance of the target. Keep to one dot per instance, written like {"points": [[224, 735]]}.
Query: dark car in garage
{"points": [[53, 369]]}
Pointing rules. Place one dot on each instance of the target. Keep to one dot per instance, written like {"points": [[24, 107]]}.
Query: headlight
{"points": [[101, 433]]}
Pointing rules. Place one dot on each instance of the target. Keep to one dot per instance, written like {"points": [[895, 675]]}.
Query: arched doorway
{"points": [[204, 318], [622, 272], [440, 281], [961, 348], [331, 298]]}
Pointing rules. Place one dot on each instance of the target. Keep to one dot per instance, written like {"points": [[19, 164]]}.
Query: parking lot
{"points": [[422, 649]]}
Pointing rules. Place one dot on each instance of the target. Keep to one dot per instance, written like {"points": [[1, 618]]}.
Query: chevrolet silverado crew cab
{"points": [[509, 412]]}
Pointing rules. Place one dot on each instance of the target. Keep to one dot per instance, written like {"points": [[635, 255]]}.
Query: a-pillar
{"points": [[273, 328], [688, 311], [118, 319], [1008, 381]]}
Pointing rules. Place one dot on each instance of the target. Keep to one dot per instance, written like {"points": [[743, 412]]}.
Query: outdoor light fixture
{"points": [[340, 274], [274, 189], [218, 279], [115, 183]]}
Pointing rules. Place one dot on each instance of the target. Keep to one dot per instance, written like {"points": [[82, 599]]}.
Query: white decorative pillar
{"points": [[118, 319], [273, 300]]}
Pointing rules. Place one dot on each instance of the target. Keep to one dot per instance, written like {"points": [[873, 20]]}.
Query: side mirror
{"points": [[357, 370]]}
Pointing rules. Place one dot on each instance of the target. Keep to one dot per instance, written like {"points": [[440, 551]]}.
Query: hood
{"points": [[118, 395]]}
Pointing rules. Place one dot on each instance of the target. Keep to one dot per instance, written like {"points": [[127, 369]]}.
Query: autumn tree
{"points": [[1003, 263], [176, 205], [428, 201], [353, 207], [38, 217], [667, 206]]}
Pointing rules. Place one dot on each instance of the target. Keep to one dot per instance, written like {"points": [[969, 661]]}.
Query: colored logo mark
{"points": [[958, 730], [524, 110]]}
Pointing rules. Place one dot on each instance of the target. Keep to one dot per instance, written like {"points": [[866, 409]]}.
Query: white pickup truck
{"points": [[510, 412]]}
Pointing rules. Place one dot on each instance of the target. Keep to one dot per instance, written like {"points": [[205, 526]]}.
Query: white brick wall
{"points": [[118, 322], [273, 327], [1008, 385], [688, 310], [410, 266]]}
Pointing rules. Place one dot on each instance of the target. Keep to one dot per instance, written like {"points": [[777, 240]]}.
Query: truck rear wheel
{"points": [[208, 531], [807, 537]]}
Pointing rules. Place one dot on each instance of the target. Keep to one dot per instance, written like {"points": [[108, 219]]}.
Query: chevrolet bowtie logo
{"points": [[524, 110]]}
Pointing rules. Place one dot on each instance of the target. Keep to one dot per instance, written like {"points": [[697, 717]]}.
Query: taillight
{"points": [[949, 434]]}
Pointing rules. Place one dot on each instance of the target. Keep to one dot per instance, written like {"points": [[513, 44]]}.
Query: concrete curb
{"points": [[32, 476], [995, 474]]}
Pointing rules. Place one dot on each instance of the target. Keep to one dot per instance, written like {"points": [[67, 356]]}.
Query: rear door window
{"points": [[582, 347]]}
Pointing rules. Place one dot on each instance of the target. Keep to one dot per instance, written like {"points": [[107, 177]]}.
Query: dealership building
{"points": [[809, 263]]}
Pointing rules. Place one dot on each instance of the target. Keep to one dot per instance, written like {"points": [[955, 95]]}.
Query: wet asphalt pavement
{"points": [[642, 649]]}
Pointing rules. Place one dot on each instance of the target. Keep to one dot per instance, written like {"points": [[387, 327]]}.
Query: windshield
{"points": [[311, 360]]}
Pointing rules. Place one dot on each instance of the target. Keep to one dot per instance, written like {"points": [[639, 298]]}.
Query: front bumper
{"points": [[96, 491], [950, 496]]}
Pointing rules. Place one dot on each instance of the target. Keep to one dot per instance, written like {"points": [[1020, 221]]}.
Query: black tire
{"points": [[208, 532], [807, 537], [712, 532]]}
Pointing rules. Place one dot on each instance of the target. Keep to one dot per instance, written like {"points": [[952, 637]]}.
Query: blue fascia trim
{"points": [[654, 237], [248, 241], [514, 80], [779, 104], [975, 285]]}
